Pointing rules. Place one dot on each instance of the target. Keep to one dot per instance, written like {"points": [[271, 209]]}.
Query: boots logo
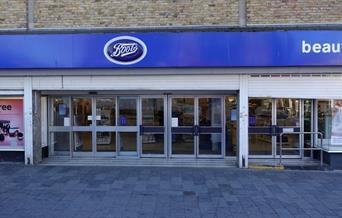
{"points": [[125, 50]]}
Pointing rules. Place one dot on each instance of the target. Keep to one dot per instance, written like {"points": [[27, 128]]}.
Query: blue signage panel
{"points": [[166, 49]]}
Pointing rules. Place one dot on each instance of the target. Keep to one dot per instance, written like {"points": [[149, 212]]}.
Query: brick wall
{"points": [[131, 13], [135, 13], [12, 14], [294, 11]]}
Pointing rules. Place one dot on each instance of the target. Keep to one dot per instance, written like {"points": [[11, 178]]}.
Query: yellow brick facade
{"points": [[163, 13], [294, 11], [12, 14], [133, 13]]}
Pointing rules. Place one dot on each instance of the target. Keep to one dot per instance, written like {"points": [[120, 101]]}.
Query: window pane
{"points": [[61, 111], [82, 111], [210, 144], [128, 141], [82, 141], [210, 111], [105, 111], [182, 144], [153, 112], [106, 141], [183, 111], [127, 111], [60, 141], [153, 143]]}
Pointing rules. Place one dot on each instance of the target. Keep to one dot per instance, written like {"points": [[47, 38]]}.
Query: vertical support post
{"points": [[28, 121], [243, 122], [242, 13], [29, 14]]}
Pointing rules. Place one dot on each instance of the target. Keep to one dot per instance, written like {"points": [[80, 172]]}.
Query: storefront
{"points": [[193, 95]]}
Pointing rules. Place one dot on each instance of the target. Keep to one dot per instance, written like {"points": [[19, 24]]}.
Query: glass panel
{"points": [[183, 144], [105, 111], [153, 111], [127, 111], [82, 111], [260, 116], [307, 126], [260, 112], [153, 143], [60, 141], [127, 141], [183, 111], [61, 111], [210, 111], [288, 115], [288, 112], [106, 141], [82, 141], [289, 141], [231, 125], [325, 120], [330, 123], [210, 143], [260, 144]]}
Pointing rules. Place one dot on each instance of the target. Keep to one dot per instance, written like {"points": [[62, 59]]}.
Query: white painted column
{"points": [[243, 122], [28, 121]]}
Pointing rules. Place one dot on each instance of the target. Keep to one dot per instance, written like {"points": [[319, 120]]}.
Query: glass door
{"points": [[268, 118], [83, 128], [210, 127], [197, 126], [182, 139], [128, 126], [260, 127], [105, 108], [288, 121], [152, 128]]}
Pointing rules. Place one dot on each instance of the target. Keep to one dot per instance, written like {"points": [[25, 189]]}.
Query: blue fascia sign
{"points": [[171, 50]]}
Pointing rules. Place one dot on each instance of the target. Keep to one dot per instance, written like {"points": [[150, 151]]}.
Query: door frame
{"points": [[222, 126], [196, 154], [274, 138], [165, 114]]}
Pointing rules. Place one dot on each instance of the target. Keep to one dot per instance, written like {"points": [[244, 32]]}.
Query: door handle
{"points": [[196, 130], [141, 130]]}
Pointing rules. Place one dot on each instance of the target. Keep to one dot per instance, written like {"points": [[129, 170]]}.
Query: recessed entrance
{"points": [[143, 126]]}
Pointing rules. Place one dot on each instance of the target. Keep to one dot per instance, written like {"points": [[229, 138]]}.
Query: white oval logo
{"points": [[125, 50]]}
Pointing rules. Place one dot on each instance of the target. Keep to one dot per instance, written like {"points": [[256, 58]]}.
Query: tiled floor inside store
{"points": [[90, 191]]}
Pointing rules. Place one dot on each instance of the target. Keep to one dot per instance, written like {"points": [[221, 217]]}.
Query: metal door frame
{"points": [[128, 128], [165, 103], [274, 138], [223, 121], [196, 122], [74, 129], [111, 129], [170, 127]]}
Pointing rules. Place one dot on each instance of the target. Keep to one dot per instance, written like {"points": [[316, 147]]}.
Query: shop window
{"points": [[11, 123], [330, 123], [231, 125]]}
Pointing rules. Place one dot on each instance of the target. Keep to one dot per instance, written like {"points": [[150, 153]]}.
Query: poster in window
{"points": [[11, 123], [336, 127]]}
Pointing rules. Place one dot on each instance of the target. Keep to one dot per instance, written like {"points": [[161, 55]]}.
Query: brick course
{"points": [[12, 14], [132, 13], [293, 11]]}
